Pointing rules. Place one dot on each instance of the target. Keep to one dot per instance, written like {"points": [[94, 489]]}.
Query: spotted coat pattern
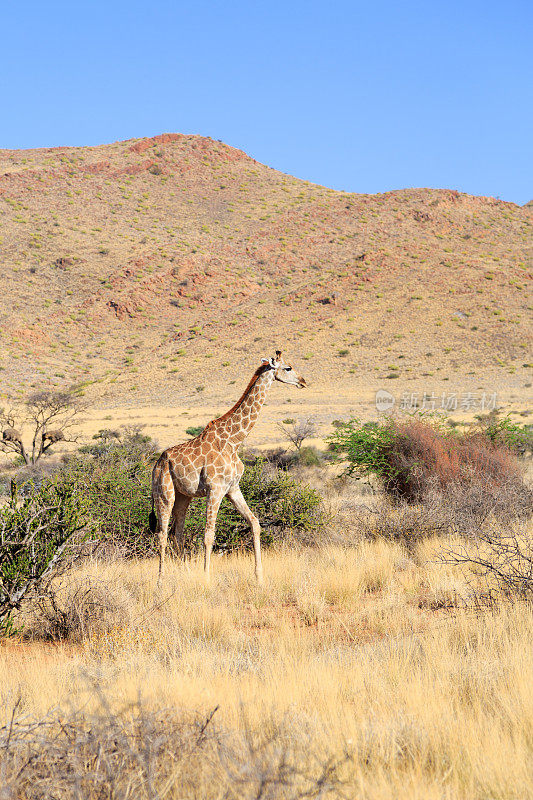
{"points": [[209, 466]]}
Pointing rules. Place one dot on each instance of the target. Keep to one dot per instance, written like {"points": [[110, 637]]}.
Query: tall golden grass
{"points": [[363, 656]]}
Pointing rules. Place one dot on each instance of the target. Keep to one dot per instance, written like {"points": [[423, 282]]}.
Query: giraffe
{"points": [[208, 466]]}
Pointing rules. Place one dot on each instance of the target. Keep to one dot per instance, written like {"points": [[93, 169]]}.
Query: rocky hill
{"points": [[152, 269]]}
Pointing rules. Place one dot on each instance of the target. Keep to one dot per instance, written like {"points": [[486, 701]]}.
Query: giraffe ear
{"points": [[265, 361]]}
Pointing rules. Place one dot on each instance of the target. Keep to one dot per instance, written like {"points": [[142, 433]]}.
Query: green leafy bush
{"points": [[309, 456], [518, 438], [415, 458], [117, 488], [115, 480], [34, 533], [194, 430], [284, 506], [365, 446]]}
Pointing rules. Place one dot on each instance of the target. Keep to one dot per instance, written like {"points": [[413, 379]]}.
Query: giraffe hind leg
{"points": [[163, 499], [162, 534], [179, 512], [214, 499]]}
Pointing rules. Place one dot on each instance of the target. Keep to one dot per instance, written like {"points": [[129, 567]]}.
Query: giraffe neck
{"points": [[235, 425]]}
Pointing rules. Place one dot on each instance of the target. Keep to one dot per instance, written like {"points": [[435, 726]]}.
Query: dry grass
{"points": [[355, 672]]}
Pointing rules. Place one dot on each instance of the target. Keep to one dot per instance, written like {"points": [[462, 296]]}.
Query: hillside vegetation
{"points": [[156, 266]]}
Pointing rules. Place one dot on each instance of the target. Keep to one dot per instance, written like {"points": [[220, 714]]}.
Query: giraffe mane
{"points": [[257, 374]]}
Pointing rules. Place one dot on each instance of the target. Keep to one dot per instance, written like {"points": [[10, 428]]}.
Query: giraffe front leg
{"points": [[214, 499], [236, 497]]}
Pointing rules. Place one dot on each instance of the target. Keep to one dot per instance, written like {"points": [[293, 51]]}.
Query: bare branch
{"points": [[503, 556], [298, 431]]}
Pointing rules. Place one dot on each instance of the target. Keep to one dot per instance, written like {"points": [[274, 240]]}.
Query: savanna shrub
{"points": [[79, 607], [280, 458], [415, 458], [34, 533], [117, 488], [518, 438], [194, 430], [309, 456], [115, 480], [284, 506]]}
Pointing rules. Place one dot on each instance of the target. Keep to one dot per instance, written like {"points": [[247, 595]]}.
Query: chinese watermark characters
{"points": [[429, 401]]}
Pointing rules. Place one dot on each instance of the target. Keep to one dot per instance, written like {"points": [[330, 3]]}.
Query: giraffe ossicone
{"points": [[209, 466]]}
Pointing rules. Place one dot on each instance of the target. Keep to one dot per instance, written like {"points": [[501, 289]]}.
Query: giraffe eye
{"points": [[288, 369]]}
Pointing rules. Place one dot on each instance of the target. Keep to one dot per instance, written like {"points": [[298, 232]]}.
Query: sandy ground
{"points": [[167, 424]]}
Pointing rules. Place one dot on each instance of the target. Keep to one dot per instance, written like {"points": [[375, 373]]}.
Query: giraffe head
{"points": [[284, 372]]}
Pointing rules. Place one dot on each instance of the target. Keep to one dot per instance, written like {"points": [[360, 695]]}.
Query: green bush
{"points": [[115, 480], [365, 446], [518, 438], [309, 456], [283, 505], [117, 489], [414, 458], [34, 533], [194, 430], [132, 442]]}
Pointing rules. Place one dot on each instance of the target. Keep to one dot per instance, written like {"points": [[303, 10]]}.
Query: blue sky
{"points": [[362, 96]]}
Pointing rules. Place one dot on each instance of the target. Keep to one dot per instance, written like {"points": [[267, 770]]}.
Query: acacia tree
{"points": [[50, 416], [298, 431]]}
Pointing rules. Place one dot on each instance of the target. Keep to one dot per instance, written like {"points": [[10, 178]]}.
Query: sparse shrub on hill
{"points": [[415, 459]]}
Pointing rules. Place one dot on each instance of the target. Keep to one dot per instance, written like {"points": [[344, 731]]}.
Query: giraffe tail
{"points": [[152, 519]]}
